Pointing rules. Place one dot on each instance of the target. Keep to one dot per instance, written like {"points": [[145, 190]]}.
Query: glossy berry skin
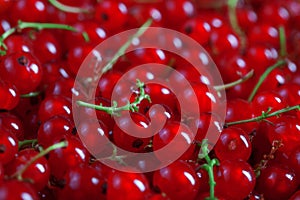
{"points": [[76, 56], [276, 182], [180, 10], [36, 7], [234, 106], [197, 29], [10, 95], [8, 146], [82, 182], [72, 155], [177, 140], [127, 185], [108, 12], [95, 32], [53, 130], [173, 178], [24, 66], [14, 189], [235, 179], [267, 100], [38, 172], [5, 5], [12, 124], [94, 135], [53, 106], [233, 144], [18, 43], [122, 130], [296, 196], [285, 129], [46, 47]]}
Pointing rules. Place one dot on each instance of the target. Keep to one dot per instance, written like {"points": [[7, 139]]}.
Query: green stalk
{"points": [[115, 110], [209, 167], [264, 76], [237, 82], [31, 94], [66, 8], [20, 172], [280, 62], [282, 38], [264, 115], [23, 25], [125, 46], [232, 5], [26, 142]]}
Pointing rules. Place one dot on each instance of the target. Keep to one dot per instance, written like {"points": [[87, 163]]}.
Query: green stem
{"points": [[26, 142], [282, 39], [125, 46], [264, 115], [264, 76], [209, 167], [20, 172], [237, 82], [67, 8], [22, 25], [232, 5], [114, 110], [31, 94]]}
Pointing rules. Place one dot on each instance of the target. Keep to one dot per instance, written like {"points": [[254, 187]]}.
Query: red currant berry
{"points": [[235, 179], [54, 129], [53, 106], [82, 182], [172, 179], [24, 66], [38, 172], [12, 124], [126, 185], [68, 157], [11, 96], [8, 146], [14, 189], [276, 183], [233, 144]]}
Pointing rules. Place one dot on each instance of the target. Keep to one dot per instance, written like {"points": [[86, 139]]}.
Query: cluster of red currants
{"points": [[255, 45]]}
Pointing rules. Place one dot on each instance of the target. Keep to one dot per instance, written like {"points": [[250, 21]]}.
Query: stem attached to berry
{"points": [[282, 38], [232, 5], [237, 82], [115, 110], [279, 63], [67, 8], [20, 172], [23, 25], [27, 142], [209, 167], [264, 76], [125, 46], [31, 94], [264, 115]]}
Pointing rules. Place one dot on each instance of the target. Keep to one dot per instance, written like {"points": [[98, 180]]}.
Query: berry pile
{"points": [[44, 153]]}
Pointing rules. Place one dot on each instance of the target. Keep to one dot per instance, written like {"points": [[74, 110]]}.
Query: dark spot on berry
{"points": [[22, 60], [2, 148], [188, 30], [137, 143], [104, 16], [104, 188], [74, 131]]}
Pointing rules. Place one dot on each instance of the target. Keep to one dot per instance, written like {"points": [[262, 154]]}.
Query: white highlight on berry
{"points": [[139, 184], [189, 177]]}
